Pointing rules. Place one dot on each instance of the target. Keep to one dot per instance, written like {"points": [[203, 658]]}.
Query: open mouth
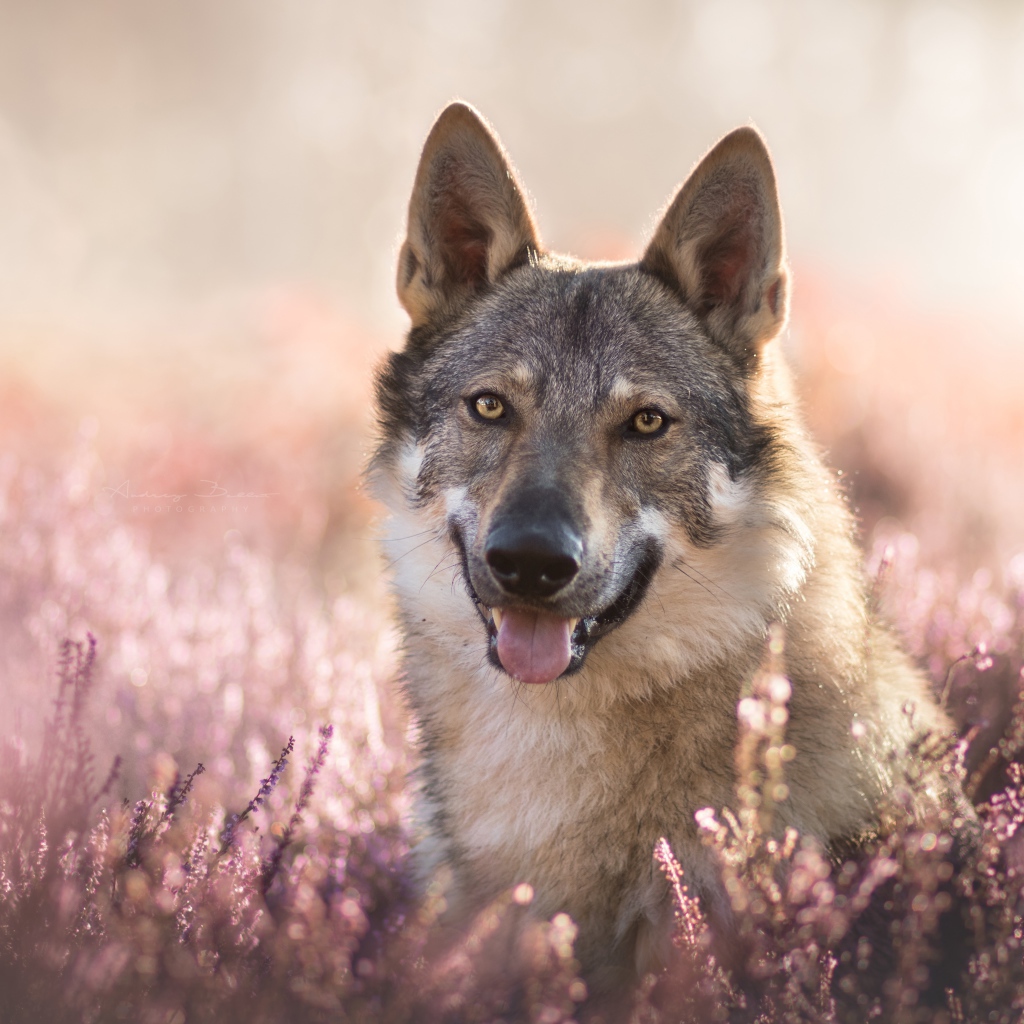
{"points": [[536, 646]]}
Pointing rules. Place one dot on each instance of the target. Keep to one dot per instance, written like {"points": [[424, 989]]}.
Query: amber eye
{"points": [[490, 407], [647, 421]]}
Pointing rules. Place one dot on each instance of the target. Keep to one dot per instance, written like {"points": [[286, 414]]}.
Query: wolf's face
{"points": [[574, 433], [567, 421]]}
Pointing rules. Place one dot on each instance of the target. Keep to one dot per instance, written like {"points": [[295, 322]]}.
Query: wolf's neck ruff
{"points": [[618, 498]]}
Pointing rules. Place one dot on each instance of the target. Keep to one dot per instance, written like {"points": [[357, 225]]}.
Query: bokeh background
{"points": [[158, 156], [200, 206]]}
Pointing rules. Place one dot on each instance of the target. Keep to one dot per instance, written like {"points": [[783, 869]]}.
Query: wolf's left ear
{"points": [[468, 219], [720, 245]]}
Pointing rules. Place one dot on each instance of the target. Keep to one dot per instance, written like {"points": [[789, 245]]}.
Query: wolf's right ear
{"points": [[468, 219], [720, 245]]}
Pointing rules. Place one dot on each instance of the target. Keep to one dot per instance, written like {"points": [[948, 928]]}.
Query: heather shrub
{"points": [[204, 796]]}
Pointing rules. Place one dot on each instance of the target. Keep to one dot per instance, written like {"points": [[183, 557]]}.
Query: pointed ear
{"points": [[720, 245], [468, 219]]}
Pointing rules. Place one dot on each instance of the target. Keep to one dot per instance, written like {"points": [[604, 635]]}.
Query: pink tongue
{"points": [[533, 646]]}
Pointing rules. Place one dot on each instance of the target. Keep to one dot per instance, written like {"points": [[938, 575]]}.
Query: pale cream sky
{"points": [[157, 156]]}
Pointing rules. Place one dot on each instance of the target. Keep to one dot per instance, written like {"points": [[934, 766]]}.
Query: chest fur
{"points": [[572, 803]]}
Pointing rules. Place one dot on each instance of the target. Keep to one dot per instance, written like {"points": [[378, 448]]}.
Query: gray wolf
{"points": [[600, 498]]}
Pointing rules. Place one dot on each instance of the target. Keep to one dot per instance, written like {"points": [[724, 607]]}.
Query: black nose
{"points": [[534, 560]]}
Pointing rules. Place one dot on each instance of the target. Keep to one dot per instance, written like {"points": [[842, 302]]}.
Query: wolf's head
{"points": [[580, 439]]}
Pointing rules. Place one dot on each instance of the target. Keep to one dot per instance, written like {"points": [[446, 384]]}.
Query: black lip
{"points": [[590, 628]]}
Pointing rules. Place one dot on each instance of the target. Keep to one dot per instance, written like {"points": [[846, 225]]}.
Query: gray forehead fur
{"points": [[579, 329], [582, 327]]}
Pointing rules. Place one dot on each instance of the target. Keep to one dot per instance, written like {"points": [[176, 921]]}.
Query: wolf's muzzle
{"points": [[533, 548], [534, 560]]}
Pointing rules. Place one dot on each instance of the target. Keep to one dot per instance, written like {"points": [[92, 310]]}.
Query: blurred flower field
{"points": [[203, 796]]}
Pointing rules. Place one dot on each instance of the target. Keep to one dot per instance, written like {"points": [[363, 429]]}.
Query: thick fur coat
{"points": [[597, 473]]}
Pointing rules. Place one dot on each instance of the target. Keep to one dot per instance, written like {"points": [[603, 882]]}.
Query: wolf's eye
{"points": [[648, 421], [490, 407]]}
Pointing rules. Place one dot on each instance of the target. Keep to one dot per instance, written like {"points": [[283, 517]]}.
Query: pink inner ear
{"points": [[464, 244], [728, 263]]}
